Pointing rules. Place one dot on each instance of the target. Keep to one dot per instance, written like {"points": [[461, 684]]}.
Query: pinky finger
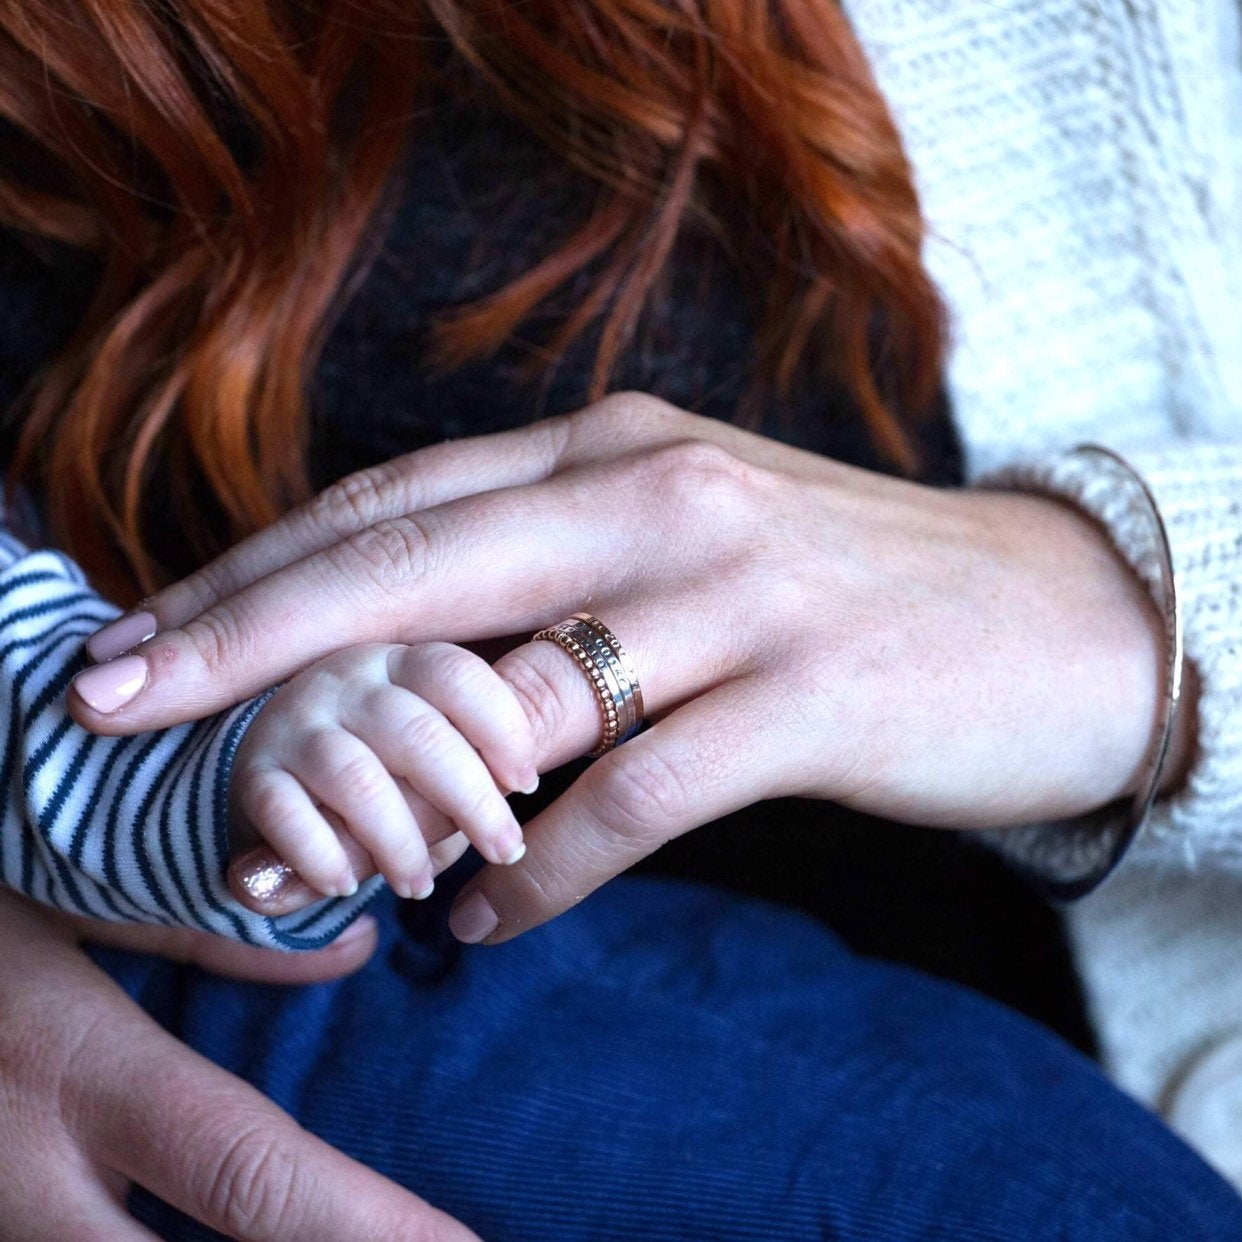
{"points": [[283, 814]]}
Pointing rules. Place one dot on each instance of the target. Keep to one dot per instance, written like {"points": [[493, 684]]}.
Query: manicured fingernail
{"points": [[120, 635], [107, 687], [473, 918], [265, 877]]}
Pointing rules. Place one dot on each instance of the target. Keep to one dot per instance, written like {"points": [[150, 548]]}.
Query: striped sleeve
{"points": [[130, 829]]}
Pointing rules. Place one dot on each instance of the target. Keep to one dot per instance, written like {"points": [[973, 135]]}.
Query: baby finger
{"points": [[283, 814], [415, 742], [469, 693], [343, 772]]}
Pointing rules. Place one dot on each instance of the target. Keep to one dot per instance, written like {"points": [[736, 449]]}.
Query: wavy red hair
{"points": [[227, 161]]}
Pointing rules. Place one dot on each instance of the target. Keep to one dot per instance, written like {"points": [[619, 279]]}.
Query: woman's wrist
{"points": [[1156, 706]]}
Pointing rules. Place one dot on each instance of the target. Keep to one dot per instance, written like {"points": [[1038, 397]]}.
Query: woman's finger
{"points": [[418, 480], [563, 709], [620, 424], [239, 1165], [679, 775], [69, 1203], [86, 1071], [350, 950], [473, 568]]}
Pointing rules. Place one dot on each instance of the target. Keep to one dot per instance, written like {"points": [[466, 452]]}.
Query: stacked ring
{"points": [[598, 653]]}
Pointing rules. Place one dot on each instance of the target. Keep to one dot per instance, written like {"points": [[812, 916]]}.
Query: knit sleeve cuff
{"points": [[1198, 490]]}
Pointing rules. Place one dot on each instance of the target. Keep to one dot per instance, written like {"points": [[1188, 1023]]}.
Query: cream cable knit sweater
{"points": [[1081, 165]]}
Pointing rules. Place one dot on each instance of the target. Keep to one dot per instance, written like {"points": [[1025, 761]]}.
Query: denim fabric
{"points": [[669, 1061]]}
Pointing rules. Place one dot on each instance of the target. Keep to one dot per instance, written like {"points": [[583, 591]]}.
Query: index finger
{"points": [[473, 568], [620, 423], [417, 480]]}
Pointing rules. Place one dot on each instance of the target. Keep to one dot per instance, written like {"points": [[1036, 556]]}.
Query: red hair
{"points": [[228, 167]]}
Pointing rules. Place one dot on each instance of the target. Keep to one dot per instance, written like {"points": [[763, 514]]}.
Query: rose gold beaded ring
{"points": [[595, 649]]}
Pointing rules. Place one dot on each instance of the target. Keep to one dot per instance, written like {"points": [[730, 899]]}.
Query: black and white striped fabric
{"points": [[130, 829]]}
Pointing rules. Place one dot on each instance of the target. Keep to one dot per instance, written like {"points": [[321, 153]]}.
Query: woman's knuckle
{"points": [[357, 500], [642, 799], [392, 552], [633, 406], [206, 586], [697, 475], [253, 1188], [625, 411], [219, 640]]}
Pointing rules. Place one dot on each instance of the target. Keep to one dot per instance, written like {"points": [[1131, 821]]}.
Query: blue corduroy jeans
{"points": [[669, 1061]]}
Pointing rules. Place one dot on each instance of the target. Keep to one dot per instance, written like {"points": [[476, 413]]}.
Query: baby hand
{"points": [[407, 744]]}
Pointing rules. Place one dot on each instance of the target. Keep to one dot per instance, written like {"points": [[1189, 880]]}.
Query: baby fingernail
{"points": [[510, 849], [530, 780], [120, 635], [414, 888], [107, 687], [346, 886], [473, 919]]}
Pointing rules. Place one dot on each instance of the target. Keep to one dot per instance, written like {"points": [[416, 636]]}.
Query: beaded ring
{"points": [[597, 651]]}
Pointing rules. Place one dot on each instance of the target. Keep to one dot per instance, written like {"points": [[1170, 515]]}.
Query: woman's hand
{"points": [[94, 1096], [800, 627]]}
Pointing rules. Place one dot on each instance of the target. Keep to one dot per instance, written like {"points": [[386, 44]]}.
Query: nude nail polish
{"points": [[120, 635], [109, 686]]}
